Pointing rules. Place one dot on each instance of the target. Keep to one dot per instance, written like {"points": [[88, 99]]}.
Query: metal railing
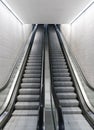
{"points": [[40, 125]]}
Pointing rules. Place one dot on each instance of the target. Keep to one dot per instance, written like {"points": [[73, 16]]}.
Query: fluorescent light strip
{"points": [[82, 12], [11, 10]]}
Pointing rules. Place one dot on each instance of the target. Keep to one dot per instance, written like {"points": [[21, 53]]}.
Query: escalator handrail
{"points": [[12, 88], [8, 80], [40, 124], [56, 101], [73, 64]]}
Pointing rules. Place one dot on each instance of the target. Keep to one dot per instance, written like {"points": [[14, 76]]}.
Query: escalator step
{"points": [[61, 74], [34, 61], [61, 57], [32, 75], [71, 110], [57, 60], [22, 123], [69, 103], [32, 71], [25, 113], [59, 63], [31, 80], [62, 78], [60, 70], [26, 105], [30, 85], [70, 95], [25, 98], [64, 89], [36, 55], [33, 67], [56, 56], [55, 53], [59, 67], [29, 91], [61, 83], [35, 64], [35, 58]]}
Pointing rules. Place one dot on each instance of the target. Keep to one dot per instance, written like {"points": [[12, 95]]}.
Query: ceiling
{"points": [[47, 11]]}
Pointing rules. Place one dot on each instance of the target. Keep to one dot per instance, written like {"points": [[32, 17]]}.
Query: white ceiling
{"points": [[47, 11]]}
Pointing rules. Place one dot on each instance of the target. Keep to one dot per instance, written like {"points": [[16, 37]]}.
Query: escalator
{"points": [[25, 115], [64, 87], [27, 111]]}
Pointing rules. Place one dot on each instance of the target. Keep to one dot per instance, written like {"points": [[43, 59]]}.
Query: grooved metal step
{"points": [[61, 57], [70, 95], [32, 71], [25, 113], [35, 64], [71, 110], [32, 55], [33, 61], [26, 105], [30, 85], [33, 67], [60, 70], [64, 89], [59, 67], [29, 91], [61, 74], [54, 56], [69, 103], [61, 83], [62, 78], [31, 80], [58, 60], [55, 53], [35, 58], [59, 63], [31, 75], [28, 98]]}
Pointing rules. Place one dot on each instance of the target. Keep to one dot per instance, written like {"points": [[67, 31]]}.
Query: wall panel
{"points": [[12, 40]]}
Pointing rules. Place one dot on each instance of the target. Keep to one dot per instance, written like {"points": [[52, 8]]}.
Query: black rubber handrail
{"points": [[56, 101], [41, 105]]}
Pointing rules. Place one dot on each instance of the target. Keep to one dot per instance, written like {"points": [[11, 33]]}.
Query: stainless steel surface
{"points": [[49, 124]]}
